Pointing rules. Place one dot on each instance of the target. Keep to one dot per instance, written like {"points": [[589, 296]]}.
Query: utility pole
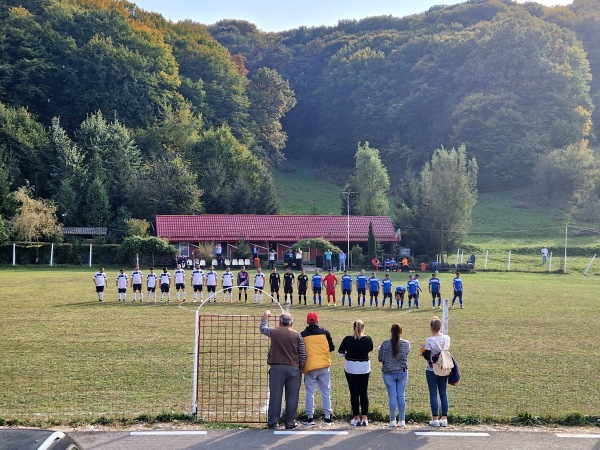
{"points": [[348, 193]]}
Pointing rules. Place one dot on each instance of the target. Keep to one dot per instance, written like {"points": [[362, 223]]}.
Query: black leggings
{"points": [[358, 385]]}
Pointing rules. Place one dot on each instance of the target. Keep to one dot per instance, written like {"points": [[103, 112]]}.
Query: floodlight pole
{"points": [[348, 223], [566, 231]]}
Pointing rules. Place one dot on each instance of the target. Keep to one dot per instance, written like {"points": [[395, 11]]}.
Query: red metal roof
{"points": [[217, 227]]}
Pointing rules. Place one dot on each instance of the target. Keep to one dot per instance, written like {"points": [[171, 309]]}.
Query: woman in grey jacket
{"points": [[393, 354]]}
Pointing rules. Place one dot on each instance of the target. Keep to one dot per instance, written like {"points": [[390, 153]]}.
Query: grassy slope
{"points": [[523, 343]]}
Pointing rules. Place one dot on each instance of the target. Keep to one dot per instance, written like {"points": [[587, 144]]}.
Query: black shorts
{"points": [[301, 291], [227, 288], [288, 290], [99, 288], [387, 295], [197, 288], [373, 293], [411, 296], [458, 293], [399, 295], [436, 294], [346, 291], [122, 290], [361, 291], [180, 286], [259, 288], [210, 288], [317, 290], [164, 287], [274, 288], [243, 288], [137, 287], [152, 289]]}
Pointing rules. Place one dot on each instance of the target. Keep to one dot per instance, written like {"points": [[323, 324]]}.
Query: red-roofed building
{"points": [[278, 232]]}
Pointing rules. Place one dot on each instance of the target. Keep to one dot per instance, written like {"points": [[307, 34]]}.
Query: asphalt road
{"points": [[375, 437]]}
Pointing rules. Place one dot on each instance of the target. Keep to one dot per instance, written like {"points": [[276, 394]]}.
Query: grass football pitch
{"points": [[527, 345]]}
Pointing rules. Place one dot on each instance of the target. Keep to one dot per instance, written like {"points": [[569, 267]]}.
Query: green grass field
{"points": [[527, 345]]}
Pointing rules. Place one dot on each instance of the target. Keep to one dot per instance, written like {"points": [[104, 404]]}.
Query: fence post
{"points": [[508, 269], [457, 255], [51, 254], [90, 260], [462, 255], [445, 317], [550, 263], [590, 264], [14, 254], [487, 252]]}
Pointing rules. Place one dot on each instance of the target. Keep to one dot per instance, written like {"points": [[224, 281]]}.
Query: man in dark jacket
{"points": [[318, 344], [286, 357]]}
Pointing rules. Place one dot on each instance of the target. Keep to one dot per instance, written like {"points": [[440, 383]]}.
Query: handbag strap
{"points": [[439, 346]]}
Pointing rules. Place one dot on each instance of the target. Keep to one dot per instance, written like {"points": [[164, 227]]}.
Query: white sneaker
{"points": [[402, 424], [443, 422], [392, 423], [355, 423], [434, 423]]}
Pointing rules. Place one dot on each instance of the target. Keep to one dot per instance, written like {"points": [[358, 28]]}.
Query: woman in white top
{"points": [[437, 384]]}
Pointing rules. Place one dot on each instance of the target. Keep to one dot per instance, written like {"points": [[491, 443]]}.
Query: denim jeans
{"points": [[437, 385], [395, 384], [312, 379]]}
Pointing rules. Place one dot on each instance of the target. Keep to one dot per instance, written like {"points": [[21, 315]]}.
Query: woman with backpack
{"points": [[437, 384], [393, 354]]}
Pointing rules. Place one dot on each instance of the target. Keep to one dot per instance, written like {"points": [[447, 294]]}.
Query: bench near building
{"points": [[273, 232]]}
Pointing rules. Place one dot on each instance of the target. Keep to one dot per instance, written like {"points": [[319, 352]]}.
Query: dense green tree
{"points": [[372, 243], [271, 98], [442, 202], [96, 209], [232, 178], [371, 182]]}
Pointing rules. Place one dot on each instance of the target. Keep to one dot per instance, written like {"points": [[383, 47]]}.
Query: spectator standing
{"points": [[342, 260], [544, 255], [357, 368], [328, 264], [272, 258], [393, 354], [254, 252], [319, 345], [299, 259], [437, 384], [286, 357]]}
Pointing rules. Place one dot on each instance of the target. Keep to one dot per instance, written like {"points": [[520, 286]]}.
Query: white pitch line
{"points": [[579, 436], [450, 433], [167, 433], [337, 433]]}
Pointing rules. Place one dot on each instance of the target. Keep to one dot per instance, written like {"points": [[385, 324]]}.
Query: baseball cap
{"points": [[312, 317]]}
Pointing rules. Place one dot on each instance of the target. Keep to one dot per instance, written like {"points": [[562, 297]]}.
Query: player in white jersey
{"points": [[180, 282], [151, 284], [165, 285], [121, 283], [259, 284], [198, 282], [211, 284], [100, 282], [136, 283], [227, 283]]}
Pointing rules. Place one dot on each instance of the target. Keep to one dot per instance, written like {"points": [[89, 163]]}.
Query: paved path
{"points": [[373, 437]]}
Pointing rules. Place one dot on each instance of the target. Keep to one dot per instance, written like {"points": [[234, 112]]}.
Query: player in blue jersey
{"points": [[386, 285], [400, 290], [419, 290], [373, 289], [361, 286], [458, 290], [346, 287], [412, 286], [317, 285], [434, 289]]}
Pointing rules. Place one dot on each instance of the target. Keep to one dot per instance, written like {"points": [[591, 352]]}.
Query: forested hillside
{"points": [[510, 81], [114, 112]]}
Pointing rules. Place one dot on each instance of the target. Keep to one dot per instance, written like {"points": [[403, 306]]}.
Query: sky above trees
{"points": [[277, 15]]}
